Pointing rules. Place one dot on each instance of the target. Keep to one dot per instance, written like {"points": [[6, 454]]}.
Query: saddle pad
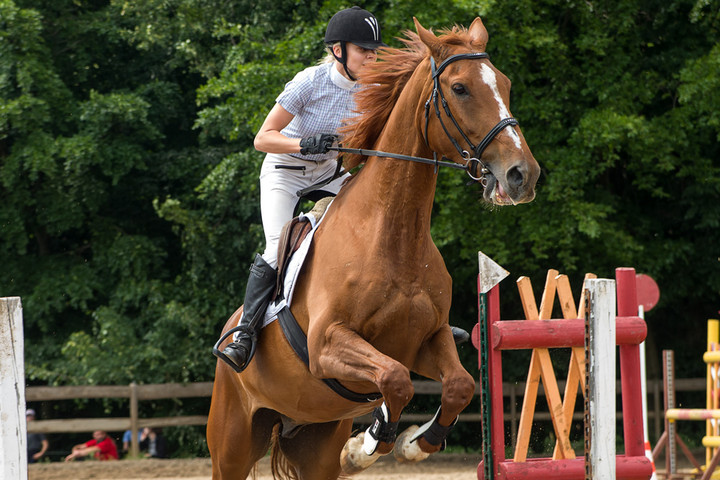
{"points": [[293, 271]]}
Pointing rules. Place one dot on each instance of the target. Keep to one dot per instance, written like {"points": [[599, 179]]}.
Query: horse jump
{"points": [[13, 427], [710, 414], [539, 333]]}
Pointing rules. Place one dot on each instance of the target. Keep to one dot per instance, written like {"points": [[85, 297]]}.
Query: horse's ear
{"points": [[478, 34], [427, 37]]}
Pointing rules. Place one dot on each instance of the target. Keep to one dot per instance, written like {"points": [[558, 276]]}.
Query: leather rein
{"points": [[473, 162]]}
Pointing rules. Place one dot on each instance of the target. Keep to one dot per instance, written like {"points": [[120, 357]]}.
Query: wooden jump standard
{"points": [[538, 332], [711, 414]]}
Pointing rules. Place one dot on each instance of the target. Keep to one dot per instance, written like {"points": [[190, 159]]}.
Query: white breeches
{"points": [[278, 193]]}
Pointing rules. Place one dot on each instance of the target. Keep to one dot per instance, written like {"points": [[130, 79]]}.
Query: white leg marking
{"points": [[353, 459]]}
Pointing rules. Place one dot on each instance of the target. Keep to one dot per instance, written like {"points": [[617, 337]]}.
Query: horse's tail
{"points": [[279, 465]]}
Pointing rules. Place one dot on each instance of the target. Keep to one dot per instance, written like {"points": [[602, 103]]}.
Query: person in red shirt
{"points": [[102, 446]]}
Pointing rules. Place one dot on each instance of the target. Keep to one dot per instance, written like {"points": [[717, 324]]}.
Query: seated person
{"points": [[102, 447], [127, 440], [154, 441], [37, 443]]}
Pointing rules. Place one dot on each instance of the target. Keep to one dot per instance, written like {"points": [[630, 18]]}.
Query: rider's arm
{"points": [[270, 140]]}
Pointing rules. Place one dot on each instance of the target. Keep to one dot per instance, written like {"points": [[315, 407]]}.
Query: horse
{"points": [[374, 294]]}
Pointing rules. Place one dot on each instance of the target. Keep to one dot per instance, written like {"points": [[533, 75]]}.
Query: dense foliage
{"points": [[128, 182]]}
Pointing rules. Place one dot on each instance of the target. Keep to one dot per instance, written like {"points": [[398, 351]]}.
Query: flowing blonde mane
{"points": [[383, 82]]}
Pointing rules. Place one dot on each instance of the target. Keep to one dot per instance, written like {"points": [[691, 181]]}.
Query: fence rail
{"points": [[136, 393]]}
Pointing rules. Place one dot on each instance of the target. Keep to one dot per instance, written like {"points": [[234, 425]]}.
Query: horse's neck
{"points": [[391, 200], [413, 183], [399, 193]]}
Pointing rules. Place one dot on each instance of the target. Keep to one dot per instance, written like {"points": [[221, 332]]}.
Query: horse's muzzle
{"points": [[513, 186]]}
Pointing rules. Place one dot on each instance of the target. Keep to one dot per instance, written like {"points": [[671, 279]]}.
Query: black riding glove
{"points": [[317, 144]]}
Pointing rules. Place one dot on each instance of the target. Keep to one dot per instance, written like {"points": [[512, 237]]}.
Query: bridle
{"points": [[472, 163], [437, 96]]}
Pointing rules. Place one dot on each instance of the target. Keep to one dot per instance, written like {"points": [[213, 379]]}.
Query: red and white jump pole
{"points": [[493, 335]]}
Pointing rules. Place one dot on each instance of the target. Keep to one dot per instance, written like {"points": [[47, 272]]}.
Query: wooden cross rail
{"points": [[541, 368], [559, 333]]}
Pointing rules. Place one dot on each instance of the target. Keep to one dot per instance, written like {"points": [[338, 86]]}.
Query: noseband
{"points": [[471, 162]]}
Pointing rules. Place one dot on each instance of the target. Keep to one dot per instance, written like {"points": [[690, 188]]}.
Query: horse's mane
{"points": [[383, 81]]}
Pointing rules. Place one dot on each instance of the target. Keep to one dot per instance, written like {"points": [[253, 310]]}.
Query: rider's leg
{"points": [[459, 335], [260, 286], [277, 204]]}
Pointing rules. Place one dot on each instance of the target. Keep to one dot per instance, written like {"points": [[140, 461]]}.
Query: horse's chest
{"points": [[393, 290], [418, 305]]}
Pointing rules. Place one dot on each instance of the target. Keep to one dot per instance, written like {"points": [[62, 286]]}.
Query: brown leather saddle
{"points": [[291, 237]]}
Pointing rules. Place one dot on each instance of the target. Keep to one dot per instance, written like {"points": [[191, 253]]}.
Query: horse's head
{"points": [[467, 117]]}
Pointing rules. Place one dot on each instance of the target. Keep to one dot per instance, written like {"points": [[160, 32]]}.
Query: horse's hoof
{"points": [[353, 459], [407, 451]]}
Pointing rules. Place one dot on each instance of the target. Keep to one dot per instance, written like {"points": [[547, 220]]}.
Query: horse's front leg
{"points": [[438, 360], [342, 354]]}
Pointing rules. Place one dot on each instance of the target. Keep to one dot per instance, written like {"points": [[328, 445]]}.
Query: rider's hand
{"points": [[317, 144]]}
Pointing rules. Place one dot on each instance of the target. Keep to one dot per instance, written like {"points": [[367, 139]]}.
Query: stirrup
{"points": [[219, 353]]}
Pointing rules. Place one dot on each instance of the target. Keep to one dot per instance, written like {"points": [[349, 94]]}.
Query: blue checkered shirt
{"points": [[320, 98]]}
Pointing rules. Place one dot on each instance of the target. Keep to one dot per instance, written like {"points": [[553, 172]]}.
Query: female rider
{"points": [[296, 135]]}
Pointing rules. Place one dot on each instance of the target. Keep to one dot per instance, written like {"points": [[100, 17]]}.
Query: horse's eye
{"points": [[459, 89]]}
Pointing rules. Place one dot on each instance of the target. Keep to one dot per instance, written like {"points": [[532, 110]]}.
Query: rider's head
{"points": [[357, 27]]}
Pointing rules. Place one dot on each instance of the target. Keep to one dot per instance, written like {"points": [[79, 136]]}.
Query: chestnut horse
{"points": [[374, 294]]}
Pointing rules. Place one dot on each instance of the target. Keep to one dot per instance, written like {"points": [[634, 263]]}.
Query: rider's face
{"points": [[357, 58]]}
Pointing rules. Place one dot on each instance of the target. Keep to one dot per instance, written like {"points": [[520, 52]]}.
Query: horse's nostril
{"points": [[514, 177]]}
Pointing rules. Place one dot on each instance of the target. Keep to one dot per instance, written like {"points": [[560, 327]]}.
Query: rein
{"points": [[399, 156], [472, 163]]}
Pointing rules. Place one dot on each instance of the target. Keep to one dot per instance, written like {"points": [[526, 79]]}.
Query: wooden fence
{"points": [[137, 393]]}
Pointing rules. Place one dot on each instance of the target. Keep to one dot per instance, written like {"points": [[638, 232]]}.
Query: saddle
{"points": [[291, 237]]}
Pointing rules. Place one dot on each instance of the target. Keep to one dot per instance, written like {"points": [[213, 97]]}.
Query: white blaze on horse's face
{"points": [[488, 76]]}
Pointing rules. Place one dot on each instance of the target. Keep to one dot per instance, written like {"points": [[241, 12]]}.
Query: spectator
{"points": [[102, 447], [37, 444], [154, 441], [127, 438]]}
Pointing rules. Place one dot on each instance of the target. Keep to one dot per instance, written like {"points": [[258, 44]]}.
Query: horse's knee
{"points": [[458, 392], [396, 386]]}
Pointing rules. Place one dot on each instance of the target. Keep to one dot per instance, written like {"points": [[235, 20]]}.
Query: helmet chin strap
{"points": [[343, 60]]}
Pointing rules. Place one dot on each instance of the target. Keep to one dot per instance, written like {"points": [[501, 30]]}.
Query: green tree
{"points": [[129, 182]]}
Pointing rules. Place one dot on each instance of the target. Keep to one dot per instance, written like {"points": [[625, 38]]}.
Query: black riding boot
{"points": [[260, 286], [459, 335]]}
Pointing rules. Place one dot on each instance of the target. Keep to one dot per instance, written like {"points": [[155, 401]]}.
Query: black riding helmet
{"points": [[353, 25]]}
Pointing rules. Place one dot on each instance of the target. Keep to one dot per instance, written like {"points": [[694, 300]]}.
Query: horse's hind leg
{"points": [[314, 451], [236, 438]]}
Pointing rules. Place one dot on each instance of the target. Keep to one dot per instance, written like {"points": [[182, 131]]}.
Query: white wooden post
{"points": [[600, 357], [13, 425]]}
